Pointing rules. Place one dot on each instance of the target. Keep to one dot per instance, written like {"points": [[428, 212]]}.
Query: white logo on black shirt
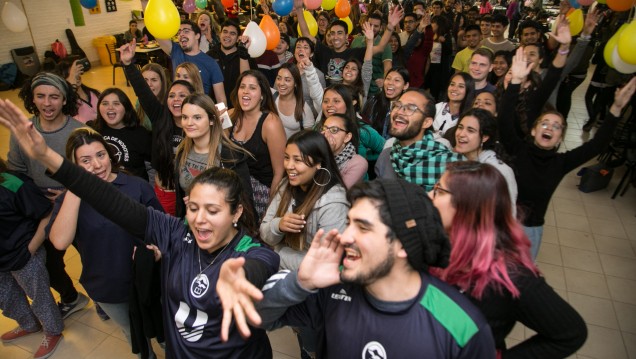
{"points": [[342, 295], [188, 238], [200, 285], [192, 332], [373, 350]]}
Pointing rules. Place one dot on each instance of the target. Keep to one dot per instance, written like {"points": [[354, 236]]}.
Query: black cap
{"points": [[417, 224]]}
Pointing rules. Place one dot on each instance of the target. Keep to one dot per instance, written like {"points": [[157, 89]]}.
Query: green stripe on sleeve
{"points": [[458, 323], [11, 182]]}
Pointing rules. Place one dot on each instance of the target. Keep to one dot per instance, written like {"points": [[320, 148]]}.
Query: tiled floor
{"points": [[588, 255]]}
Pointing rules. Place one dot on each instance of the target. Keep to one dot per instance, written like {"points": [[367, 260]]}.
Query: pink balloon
{"points": [[312, 4], [586, 2]]}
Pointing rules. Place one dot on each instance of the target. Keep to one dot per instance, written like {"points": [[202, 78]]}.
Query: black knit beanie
{"points": [[417, 224]]}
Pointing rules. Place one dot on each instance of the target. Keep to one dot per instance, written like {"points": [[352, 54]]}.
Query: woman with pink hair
{"points": [[490, 262]]}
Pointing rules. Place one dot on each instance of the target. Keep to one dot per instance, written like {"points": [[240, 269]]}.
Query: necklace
{"points": [[213, 260], [201, 283]]}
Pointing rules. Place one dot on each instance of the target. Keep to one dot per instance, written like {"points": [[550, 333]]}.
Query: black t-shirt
{"points": [[22, 205], [132, 146], [332, 63]]}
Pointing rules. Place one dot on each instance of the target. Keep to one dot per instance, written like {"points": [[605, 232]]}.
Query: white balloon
{"points": [[13, 18], [258, 41], [620, 65]]}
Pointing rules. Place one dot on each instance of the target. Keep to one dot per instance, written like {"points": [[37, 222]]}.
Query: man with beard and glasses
{"points": [[187, 50], [231, 56], [367, 291], [416, 155]]}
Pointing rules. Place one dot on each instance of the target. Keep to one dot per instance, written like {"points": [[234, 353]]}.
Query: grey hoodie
{"points": [[330, 211]]}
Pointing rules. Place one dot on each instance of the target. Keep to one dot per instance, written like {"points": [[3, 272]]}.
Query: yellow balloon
{"points": [[162, 18], [328, 4], [611, 44], [576, 21], [311, 24], [627, 44], [349, 24]]}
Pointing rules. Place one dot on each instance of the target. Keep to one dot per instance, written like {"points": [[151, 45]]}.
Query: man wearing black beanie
{"points": [[367, 291]]}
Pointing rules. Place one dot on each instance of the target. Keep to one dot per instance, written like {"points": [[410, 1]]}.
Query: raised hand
{"points": [[562, 34], [520, 67], [321, 266], [367, 30], [292, 223], [237, 297], [622, 97], [298, 4], [23, 130], [591, 20], [304, 63], [127, 52], [424, 22], [395, 16]]}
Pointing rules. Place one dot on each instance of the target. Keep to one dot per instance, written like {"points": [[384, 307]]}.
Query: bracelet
{"points": [[390, 29], [585, 37], [564, 52]]}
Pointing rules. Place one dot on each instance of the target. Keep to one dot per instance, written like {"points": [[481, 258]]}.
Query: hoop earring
{"points": [[322, 184]]}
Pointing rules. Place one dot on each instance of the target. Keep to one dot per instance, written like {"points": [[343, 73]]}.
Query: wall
{"points": [[48, 20]]}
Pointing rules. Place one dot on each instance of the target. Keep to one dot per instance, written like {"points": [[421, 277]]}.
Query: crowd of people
{"points": [[381, 187]]}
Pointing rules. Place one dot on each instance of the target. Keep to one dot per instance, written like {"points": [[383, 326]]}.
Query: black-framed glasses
{"points": [[409, 108], [437, 188], [333, 129]]}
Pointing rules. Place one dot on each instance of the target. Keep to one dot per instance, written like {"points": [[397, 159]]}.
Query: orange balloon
{"points": [[620, 5], [272, 34], [570, 11], [342, 8], [227, 3]]}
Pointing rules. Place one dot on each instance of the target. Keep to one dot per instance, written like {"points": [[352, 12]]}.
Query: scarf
{"points": [[423, 162], [345, 155]]}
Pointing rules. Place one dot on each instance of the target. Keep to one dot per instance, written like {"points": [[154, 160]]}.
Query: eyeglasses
{"points": [[555, 126], [333, 129], [437, 188], [409, 108]]}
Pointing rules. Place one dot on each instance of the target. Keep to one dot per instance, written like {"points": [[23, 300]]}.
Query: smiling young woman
{"points": [[117, 121], [75, 221], [311, 197], [220, 227], [539, 168], [294, 112], [258, 129], [205, 145]]}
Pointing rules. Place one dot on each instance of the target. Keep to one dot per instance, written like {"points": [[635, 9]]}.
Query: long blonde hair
{"points": [[218, 137]]}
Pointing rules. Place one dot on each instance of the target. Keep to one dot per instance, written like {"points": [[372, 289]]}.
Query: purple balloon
{"points": [[283, 7], [89, 4], [189, 6]]}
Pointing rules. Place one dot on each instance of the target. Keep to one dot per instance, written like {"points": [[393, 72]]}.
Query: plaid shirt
{"points": [[423, 162]]}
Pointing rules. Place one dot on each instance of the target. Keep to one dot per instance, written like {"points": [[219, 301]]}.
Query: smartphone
{"points": [[225, 117], [85, 63]]}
